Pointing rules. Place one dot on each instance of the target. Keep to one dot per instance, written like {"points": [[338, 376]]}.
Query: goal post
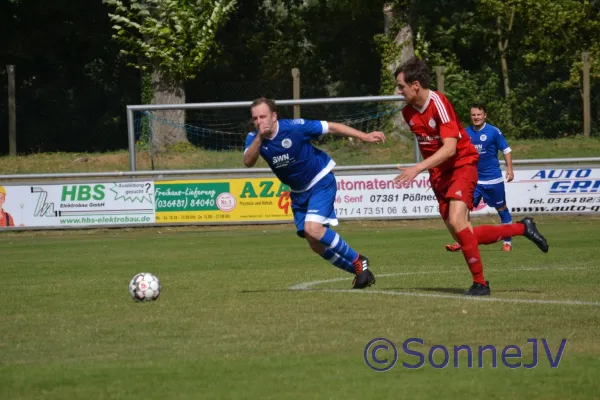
{"points": [[224, 125]]}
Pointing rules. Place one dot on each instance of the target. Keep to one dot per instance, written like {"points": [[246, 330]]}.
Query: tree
{"points": [[71, 82], [504, 14], [559, 31], [171, 39]]}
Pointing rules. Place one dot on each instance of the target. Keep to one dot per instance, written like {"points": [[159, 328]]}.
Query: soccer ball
{"points": [[144, 287]]}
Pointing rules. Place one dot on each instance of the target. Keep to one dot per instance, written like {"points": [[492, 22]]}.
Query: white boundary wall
{"points": [[533, 191], [255, 196]]}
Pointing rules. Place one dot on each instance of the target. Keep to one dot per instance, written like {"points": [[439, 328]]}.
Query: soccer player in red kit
{"points": [[451, 160]]}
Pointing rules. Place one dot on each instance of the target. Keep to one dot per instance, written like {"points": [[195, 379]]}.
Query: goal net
{"points": [[214, 138]]}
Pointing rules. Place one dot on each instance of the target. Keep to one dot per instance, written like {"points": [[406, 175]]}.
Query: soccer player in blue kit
{"points": [[488, 140], [286, 147]]}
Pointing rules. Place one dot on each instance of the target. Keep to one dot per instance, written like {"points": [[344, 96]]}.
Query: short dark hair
{"points": [[414, 70], [263, 100], [479, 106]]}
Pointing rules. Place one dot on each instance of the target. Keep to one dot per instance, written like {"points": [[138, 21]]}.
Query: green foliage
{"points": [[542, 48], [71, 83], [388, 51], [558, 32], [147, 96], [174, 36]]}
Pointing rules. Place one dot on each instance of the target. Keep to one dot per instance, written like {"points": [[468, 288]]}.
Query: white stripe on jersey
{"points": [[317, 178], [491, 182], [441, 109]]}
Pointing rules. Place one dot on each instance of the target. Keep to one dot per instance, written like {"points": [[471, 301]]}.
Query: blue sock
{"points": [[338, 245], [338, 261], [505, 218]]}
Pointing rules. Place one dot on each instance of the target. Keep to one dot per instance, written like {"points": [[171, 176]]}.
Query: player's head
{"points": [[412, 78], [264, 114], [478, 114]]}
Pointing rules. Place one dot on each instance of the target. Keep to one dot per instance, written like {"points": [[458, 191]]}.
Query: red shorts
{"points": [[456, 184]]}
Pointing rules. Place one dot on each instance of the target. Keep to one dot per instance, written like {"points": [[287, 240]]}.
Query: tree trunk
{"points": [[502, 47], [504, 65], [403, 39], [404, 42], [168, 126]]}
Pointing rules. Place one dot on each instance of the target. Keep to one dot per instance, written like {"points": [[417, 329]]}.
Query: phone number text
{"points": [[392, 210]]}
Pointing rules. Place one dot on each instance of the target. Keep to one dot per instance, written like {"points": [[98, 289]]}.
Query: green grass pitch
{"points": [[228, 326]]}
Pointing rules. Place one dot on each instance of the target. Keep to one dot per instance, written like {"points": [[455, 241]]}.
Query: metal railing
{"points": [[255, 171]]}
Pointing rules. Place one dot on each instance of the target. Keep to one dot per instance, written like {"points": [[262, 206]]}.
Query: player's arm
{"points": [[253, 151], [507, 153], [510, 175], [447, 151], [347, 131], [449, 134]]}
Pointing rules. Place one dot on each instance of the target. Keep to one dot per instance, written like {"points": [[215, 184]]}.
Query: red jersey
{"points": [[437, 120]]}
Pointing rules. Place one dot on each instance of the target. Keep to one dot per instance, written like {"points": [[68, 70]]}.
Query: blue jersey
{"points": [[488, 141], [291, 155]]}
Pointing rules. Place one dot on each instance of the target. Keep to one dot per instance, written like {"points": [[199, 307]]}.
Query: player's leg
{"points": [[498, 196], [493, 196], [505, 218], [458, 220], [330, 255], [477, 195], [299, 208], [439, 189], [454, 247], [488, 234], [460, 196], [320, 215]]}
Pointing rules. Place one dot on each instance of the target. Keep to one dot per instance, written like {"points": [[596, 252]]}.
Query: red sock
{"points": [[487, 234], [470, 250]]}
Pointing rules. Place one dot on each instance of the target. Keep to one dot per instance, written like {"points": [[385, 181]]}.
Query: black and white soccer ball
{"points": [[144, 287]]}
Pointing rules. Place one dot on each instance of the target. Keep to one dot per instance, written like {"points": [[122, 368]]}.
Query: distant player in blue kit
{"points": [[286, 146], [488, 140]]}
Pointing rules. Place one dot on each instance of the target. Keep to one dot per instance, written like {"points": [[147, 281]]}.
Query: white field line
{"points": [[310, 286]]}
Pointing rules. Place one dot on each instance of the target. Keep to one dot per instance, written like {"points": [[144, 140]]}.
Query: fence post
{"points": [[12, 111], [418, 157], [439, 72], [296, 79], [586, 94]]}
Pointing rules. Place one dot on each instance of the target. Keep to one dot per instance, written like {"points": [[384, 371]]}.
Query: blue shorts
{"points": [[316, 204], [493, 195]]}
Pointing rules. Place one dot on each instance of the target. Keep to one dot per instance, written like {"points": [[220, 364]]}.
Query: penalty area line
{"points": [[310, 286]]}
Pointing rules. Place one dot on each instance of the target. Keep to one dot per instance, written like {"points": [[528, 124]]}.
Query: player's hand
{"points": [[407, 175], [374, 137], [264, 132], [510, 176]]}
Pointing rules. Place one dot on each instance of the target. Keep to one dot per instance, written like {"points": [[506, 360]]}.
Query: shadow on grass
{"points": [[270, 290], [404, 290], [462, 290]]}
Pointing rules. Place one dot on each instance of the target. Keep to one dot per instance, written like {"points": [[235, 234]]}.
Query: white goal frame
{"points": [[246, 104]]}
